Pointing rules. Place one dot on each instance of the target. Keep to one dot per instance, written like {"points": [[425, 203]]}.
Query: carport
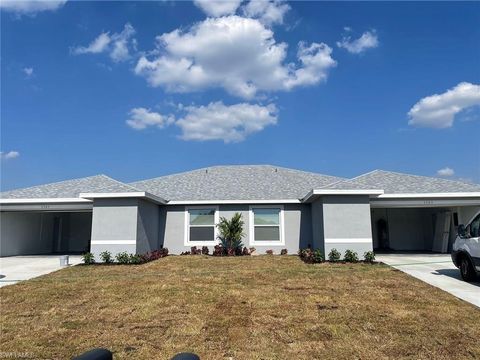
{"points": [[45, 228], [421, 223]]}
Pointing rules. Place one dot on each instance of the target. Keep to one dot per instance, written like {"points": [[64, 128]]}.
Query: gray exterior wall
{"points": [[147, 226], [347, 223], [297, 227], [31, 233], [114, 226]]}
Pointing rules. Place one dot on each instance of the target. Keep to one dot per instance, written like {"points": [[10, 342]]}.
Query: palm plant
{"points": [[231, 233]]}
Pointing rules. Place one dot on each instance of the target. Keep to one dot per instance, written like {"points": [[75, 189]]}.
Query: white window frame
{"points": [[187, 241], [251, 222]]}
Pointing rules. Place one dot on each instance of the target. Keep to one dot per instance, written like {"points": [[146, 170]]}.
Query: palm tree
{"points": [[231, 233]]}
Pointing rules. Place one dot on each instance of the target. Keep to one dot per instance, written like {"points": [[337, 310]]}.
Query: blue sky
{"points": [[142, 89]]}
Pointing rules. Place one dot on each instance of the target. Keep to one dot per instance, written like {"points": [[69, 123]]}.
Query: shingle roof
{"points": [[398, 183], [239, 182], [70, 188]]}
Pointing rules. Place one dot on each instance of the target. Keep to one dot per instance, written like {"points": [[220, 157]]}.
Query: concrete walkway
{"points": [[17, 268], [437, 270]]}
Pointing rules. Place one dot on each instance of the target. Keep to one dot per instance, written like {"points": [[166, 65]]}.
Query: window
{"points": [[475, 227], [266, 225], [200, 226]]}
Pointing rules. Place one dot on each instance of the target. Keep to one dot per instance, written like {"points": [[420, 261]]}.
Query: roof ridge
{"points": [[53, 183], [430, 177], [121, 183], [237, 165]]}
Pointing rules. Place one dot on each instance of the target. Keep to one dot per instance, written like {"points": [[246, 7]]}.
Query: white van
{"points": [[466, 249]]}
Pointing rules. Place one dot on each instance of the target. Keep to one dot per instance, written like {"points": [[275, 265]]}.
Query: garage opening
{"points": [[414, 229], [39, 233]]}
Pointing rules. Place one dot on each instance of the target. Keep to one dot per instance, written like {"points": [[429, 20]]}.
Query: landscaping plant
{"points": [[205, 250], [88, 258], [284, 252], [134, 259], [311, 256], [269, 252], [122, 258], [218, 250], [106, 257], [334, 255], [231, 233], [154, 255], [369, 256], [350, 256]]}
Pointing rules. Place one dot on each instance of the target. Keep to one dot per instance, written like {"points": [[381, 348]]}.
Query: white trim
{"points": [[318, 192], [348, 240], [113, 242], [43, 200], [430, 195], [186, 237], [226, 202], [138, 194], [251, 226], [419, 202]]}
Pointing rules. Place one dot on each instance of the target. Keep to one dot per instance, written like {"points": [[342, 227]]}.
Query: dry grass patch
{"points": [[266, 307]]}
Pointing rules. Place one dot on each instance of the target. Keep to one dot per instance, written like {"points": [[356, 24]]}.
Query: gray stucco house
{"points": [[282, 208]]}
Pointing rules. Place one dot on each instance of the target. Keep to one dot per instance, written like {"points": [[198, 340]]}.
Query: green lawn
{"points": [[259, 307]]}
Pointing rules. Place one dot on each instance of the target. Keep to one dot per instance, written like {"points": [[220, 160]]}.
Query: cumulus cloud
{"points": [[215, 121], [235, 53], [31, 7], [28, 71], [446, 171], [218, 7], [368, 40], [233, 123], [117, 45], [438, 111], [141, 118], [266, 11], [9, 155]]}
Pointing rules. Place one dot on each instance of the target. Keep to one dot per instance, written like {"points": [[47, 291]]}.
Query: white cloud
{"points": [[141, 118], [446, 171], [438, 111], [215, 121], [28, 71], [117, 44], [268, 12], [9, 155], [31, 7], [233, 123], [218, 7], [368, 40], [235, 53]]}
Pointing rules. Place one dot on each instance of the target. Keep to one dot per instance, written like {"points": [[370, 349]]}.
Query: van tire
{"points": [[466, 269]]}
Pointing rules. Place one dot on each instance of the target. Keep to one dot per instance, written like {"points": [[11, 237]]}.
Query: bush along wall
{"points": [[310, 256], [125, 258]]}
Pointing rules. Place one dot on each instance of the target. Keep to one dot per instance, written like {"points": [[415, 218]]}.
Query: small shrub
{"points": [[350, 256], [134, 259], [231, 251], [186, 253], [284, 252], [245, 251], [218, 250], [369, 256], [195, 251], [122, 258], [154, 255], [269, 252], [310, 256], [334, 255], [318, 256], [106, 257], [205, 250], [88, 258]]}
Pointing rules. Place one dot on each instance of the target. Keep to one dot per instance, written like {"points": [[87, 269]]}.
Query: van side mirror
{"points": [[462, 232]]}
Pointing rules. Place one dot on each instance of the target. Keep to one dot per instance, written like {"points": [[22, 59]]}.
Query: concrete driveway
{"points": [[437, 270], [17, 268]]}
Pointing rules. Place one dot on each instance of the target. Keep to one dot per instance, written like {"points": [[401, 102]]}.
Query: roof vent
{"points": [[206, 171], [276, 170]]}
